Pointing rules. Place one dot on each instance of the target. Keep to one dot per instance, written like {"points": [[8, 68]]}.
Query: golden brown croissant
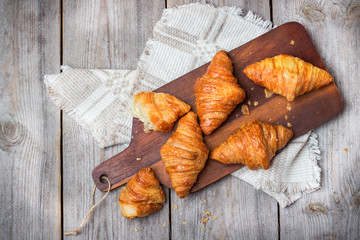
{"points": [[158, 111], [254, 144], [185, 154], [217, 93], [287, 75], [142, 195]]}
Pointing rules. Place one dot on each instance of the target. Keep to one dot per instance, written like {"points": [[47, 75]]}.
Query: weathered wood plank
{"points": [[335, 29], [241, 211], [103, 34], [30, 199]]}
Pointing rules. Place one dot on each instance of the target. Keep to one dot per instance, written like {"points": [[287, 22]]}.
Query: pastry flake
{"points": [[142, 195], [217, 93], [185, 154], [287, 75], [158, 111], [254, 144]]}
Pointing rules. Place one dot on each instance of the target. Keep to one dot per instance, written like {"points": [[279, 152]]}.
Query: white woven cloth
{"points": [[185, 38]]}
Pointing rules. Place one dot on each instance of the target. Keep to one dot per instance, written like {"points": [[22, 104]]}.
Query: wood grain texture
{"points": [[307, 111], [333, 212], [30, 202], [103, 34], [242, 212]]}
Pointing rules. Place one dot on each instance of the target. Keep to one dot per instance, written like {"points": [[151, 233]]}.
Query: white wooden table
{"points": [[46, 158]]}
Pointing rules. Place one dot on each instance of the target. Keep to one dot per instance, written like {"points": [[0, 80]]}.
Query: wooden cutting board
{"points": [[307, 111]]}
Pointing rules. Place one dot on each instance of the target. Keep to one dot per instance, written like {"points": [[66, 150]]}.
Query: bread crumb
{"points": [[138, 159], [207, 213], [164, 225], [184, 222], [175, 207], [293, 116], [135, 229], [251, 88], [132, 137], [288, 107], [214, 217], [268, 93], [203, 228], [245, 109], [270, 119], [256, 103], [249, 102], [286, 117], [136, 131], [227, 192], [346, 150], [292, 42], [237, 115], [204, 220], [289, 124]]}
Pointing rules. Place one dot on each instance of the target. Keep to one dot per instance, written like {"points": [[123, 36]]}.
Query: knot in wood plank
{"points": [[316, 208], [11, 132], [313, 14]]}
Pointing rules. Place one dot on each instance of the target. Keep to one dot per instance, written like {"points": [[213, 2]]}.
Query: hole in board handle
{"points": [[103, 178]]}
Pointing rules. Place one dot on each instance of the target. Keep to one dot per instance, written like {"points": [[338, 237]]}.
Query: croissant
{"points": [[185, 154], [142, 195], [254, 144], [158, 111], [217, 93], [287, 75]]}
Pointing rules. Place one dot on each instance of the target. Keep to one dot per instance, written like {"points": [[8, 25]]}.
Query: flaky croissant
{"points": [[142, 195], [158, 111], [287, 75], [254, 144], [185, 154], [217, 93]]}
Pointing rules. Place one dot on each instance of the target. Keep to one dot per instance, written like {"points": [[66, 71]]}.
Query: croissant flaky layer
{"points": [[185, 154], [217, 93], [158, 111], [287, 75], [142, 195], [254, 144]]}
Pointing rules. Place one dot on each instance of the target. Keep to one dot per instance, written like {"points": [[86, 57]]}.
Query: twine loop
{"points": [[92, 208]]}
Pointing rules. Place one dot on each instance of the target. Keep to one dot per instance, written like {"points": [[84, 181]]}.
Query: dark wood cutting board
{"points": [[307, 111]]}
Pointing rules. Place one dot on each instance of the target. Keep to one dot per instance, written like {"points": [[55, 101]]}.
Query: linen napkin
{"points": [[185, 38]]}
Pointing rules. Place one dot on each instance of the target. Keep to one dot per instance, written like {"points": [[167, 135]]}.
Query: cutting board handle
{"points": [[142, 152], [115, 168]]}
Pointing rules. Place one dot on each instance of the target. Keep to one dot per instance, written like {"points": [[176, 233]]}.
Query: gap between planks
{"points": [[61, 128]]}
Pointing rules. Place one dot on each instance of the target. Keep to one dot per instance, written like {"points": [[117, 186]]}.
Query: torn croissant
{"points": [[217, 93], [254, 144], [185, 154], [142, 195], [158, 111], [287, 75]]}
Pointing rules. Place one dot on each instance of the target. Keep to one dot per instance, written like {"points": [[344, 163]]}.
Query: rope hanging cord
{"points": [[92, 208]]}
